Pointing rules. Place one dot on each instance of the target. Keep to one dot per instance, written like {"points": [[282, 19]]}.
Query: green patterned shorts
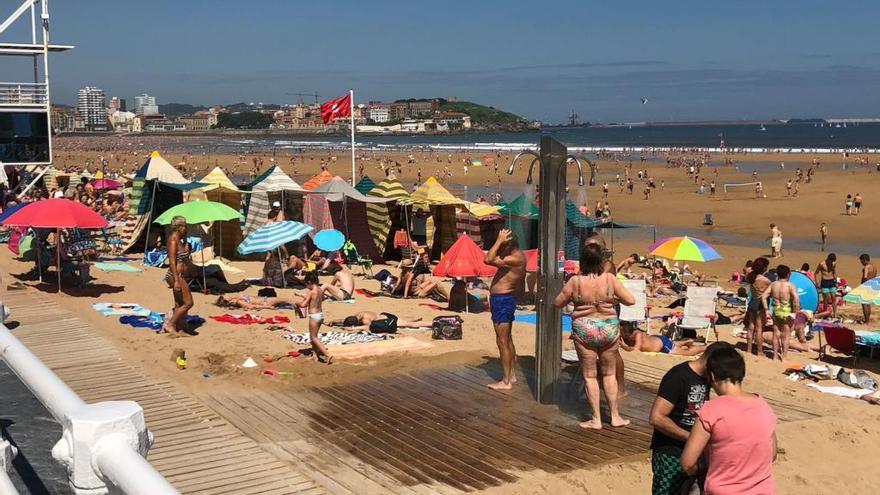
{"points": [[668, 474]]}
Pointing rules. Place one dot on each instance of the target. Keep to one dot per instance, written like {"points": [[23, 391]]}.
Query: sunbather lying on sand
{"points": [[365, 320], [245, 301], [633, 339]]}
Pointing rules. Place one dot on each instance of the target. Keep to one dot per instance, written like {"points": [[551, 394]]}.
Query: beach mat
{"points": [[120, 309], [116, 267], [154, 321], [532, 318], [338, 338], [249, 319]]}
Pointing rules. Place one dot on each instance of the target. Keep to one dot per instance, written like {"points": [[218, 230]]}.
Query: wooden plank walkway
{"points": [[198, 451], [441, 430]]}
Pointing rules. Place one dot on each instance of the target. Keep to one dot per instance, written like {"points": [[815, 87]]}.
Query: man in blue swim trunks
{"points": [[511, 262]]}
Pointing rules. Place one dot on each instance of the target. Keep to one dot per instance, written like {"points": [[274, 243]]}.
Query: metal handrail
{"points": [[116, 461]]}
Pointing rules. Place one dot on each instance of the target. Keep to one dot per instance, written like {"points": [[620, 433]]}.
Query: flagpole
{"points": [[351, 97]]}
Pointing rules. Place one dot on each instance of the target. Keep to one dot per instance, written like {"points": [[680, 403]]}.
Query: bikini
{"points": [[181, 256], [594, 332]]}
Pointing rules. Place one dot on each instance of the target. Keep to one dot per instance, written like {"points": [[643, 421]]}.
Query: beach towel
{"points": [[868, 337], [116, 267], [364, 293], [853, 393], [155, 258], [532, 319], [338, 338], [120, 309], [249, 319], [154, 321]]}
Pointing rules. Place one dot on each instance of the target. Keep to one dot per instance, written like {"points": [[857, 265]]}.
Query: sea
{"points": [[805, 137]]}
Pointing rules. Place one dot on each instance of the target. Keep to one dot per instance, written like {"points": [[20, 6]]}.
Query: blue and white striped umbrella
{"points": [[273, 236]]}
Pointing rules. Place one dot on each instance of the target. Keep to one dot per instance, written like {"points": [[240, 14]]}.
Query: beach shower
{"points": [[554, 159]]}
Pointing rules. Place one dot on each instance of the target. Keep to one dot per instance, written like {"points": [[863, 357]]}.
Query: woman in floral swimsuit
{"points": [[595, 328]]}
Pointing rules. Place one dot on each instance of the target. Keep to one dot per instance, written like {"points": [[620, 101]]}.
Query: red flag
{"points": [[338, 108]]}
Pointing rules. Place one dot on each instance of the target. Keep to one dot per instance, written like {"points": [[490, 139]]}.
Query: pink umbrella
{"points": [[106, 184]]}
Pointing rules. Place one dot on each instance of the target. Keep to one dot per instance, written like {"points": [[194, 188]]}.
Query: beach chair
{"points": [[638, 312], [841, 339], [352, 257], [699, 310]]}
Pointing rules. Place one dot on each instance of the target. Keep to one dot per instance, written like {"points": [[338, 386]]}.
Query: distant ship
{"points": [[763, 128]]}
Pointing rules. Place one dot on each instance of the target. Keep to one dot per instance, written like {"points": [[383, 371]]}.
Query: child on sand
{"points": [[312, 300], [785, 306]]}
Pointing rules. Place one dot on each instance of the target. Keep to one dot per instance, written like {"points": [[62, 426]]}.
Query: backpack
{"points": [[26, 248], [384, 325], [446, 328]]}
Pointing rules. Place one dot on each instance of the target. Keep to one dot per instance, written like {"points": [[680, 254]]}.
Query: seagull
{"points": [[644, 101]]}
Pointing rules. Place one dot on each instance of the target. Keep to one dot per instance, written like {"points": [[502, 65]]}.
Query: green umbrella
{"points": [[199, 212]]}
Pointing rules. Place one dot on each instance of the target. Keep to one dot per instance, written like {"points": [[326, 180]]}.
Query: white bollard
{"points": [[95, 435]]}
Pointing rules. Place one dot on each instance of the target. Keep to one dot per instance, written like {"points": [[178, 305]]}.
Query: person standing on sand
{"points": [[869, 271], [775, 241], [180, 272], [786, 304], [683, 391], [823, 235], [758, 283], [857, 204], [506, 255], [312, 300], [596, 329], [848, 204], [826, 281], [736, 431]]}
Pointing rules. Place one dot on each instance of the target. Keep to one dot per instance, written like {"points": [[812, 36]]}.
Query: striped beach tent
{"points": [[346, 208], [365, 185], [273, 180], [379, 214], [317, 180], [220, 188]]}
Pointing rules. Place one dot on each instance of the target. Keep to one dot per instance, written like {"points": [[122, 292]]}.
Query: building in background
{"points": [[201, 121], [379, 113], [63, 118], [145, 105], [90, 107], [117, 104]]}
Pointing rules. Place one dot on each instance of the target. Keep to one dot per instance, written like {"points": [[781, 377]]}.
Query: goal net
{"points": [[744, 190]]}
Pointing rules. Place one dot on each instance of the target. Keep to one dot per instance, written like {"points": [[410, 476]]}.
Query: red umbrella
{"points": [[570, 266], [106, 184], [464, 259], [56, 214]]}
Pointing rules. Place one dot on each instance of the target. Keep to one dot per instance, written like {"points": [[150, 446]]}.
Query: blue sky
{"points": [[692, 60]]}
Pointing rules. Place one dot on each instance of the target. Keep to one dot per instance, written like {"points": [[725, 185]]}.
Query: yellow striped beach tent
{"points": [[219, 188], [378, 214], [431, 193]]}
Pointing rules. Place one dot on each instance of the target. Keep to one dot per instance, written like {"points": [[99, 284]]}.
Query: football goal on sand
{"points": [[741, 191]]}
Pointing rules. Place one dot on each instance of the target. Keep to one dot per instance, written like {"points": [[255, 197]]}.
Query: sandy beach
{"points": [[829, 452]]}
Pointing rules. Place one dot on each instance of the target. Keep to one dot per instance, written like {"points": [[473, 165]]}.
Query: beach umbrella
{"points": [[104, 184], [684, 249], [56, 214], [806, 291], [867, 293], [12, 209], [464, 259], [273, 236], [329, 240], [199, 212]]}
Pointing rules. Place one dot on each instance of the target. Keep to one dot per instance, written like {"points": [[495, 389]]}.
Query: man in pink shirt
{"points": [[736, 431]]}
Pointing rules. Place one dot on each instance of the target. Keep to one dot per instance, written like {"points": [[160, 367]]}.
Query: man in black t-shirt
{"points": [[682, 392]]}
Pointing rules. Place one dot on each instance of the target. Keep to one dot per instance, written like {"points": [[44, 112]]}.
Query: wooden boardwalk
{"points": [[440, 431], [195, 449]]}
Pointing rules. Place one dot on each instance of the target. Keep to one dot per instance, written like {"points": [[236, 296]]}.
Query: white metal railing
{"points": [[23, 95], [103, 444]]}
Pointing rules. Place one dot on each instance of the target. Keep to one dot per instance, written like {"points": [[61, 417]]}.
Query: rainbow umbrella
{"points": [[867, 293], [684, 249]]}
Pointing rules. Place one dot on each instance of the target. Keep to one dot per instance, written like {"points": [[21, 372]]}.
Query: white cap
{"points": [[249, 363], [276, 204]]}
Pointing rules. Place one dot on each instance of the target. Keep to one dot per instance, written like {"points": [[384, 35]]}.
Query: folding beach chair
{"points": [[638, 312], [352, 257], [841, 339], [699, 310]]}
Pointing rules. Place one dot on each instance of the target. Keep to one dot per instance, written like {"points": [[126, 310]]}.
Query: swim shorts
{"points": [[668, 344], [668, 474], [828, 286], [503, 307]]}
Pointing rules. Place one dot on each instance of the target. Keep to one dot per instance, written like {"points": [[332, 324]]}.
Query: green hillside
{"points": [[482, 115]]}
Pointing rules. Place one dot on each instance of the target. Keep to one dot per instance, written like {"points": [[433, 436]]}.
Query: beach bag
{"points": [[382, 275], [858, 379], [384, 325], [267, 292], [446, 328]]}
